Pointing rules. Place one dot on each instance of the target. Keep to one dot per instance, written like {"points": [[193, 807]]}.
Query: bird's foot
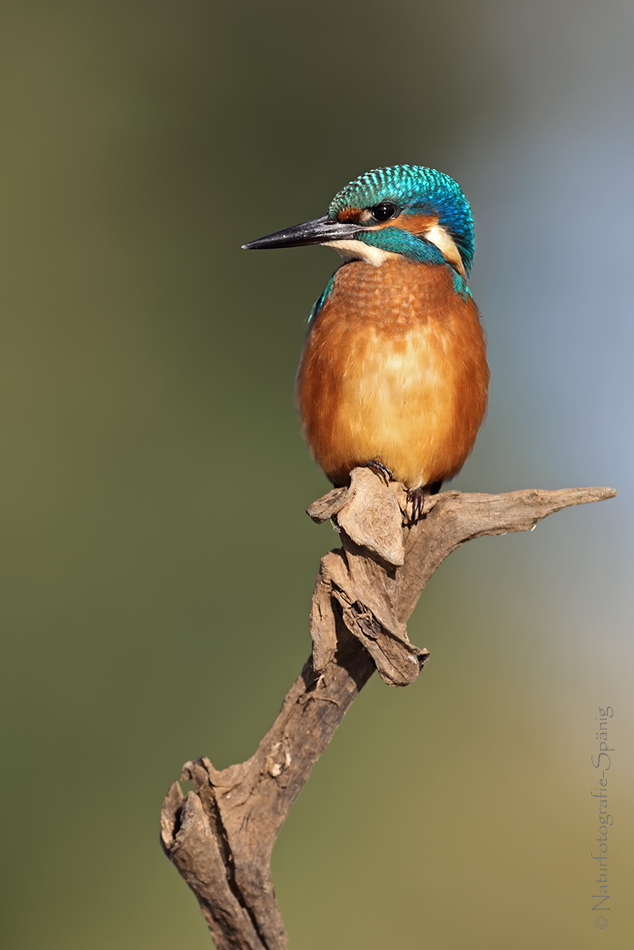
{"points": [[379, 469], [417, 498]]}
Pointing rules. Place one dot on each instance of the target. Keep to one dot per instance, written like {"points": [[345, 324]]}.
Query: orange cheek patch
{"points": [[415, 223], [349, 214]]}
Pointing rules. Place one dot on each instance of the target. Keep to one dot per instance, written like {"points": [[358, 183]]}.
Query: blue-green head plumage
{"points": [[410, 190], [418, 213]]}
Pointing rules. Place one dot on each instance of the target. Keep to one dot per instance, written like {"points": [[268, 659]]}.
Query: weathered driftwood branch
{"points": [[220, 835]]}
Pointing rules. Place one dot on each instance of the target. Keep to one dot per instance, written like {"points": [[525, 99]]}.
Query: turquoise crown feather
{"points": [[414, 189]]}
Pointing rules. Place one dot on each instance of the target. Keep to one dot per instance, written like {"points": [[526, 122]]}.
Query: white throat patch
{"points": [[358, 251], [447, 247]]}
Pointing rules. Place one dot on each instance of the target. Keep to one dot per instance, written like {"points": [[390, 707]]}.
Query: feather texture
{"points": [[394, 369]]}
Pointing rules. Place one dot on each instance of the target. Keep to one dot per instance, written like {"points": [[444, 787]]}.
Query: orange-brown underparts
{"points": [[394, 369]]}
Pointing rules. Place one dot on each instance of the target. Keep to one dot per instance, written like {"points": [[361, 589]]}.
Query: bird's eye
{"points": [[383, 211]]}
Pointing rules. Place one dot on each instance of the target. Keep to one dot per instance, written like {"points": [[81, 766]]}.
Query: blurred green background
{"points": [[152, 615]]}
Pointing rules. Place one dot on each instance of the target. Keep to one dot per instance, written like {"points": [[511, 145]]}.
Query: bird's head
{"points": [[405, 210]]}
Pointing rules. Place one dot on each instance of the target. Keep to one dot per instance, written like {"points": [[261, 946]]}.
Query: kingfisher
{"points": [[393, 374]]}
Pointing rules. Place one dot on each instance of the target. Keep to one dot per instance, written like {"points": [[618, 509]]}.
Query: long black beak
{"points": [[317, 231]]}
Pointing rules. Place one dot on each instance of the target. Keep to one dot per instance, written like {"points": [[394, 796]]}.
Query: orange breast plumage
{"points": [[393, 369]]}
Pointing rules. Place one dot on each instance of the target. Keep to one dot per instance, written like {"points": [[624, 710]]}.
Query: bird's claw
{"points": [[417, 499], [379, 469]]}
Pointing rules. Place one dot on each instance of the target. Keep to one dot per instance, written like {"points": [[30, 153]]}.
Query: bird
{"points": [[393, 373]]}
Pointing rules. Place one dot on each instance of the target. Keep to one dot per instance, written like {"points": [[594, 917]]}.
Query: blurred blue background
{"points": [[147, 409]]}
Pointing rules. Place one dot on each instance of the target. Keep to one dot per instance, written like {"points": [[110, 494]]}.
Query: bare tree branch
{"points": [[220, 835]]}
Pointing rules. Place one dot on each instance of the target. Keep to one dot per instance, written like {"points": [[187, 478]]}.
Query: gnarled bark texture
{"points": [[220, 835]]}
